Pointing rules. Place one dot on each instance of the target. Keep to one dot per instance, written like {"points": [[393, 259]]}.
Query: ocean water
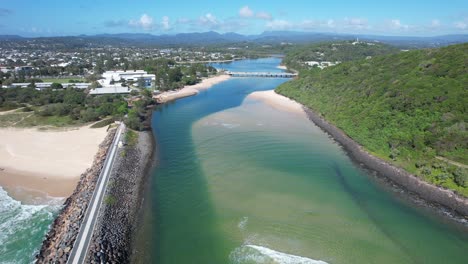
{"points": [[23, 227], [238, 181]]}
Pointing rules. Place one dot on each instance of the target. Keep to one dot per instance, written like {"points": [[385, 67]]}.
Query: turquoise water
{"points": [[23, 227], [238, 181]]}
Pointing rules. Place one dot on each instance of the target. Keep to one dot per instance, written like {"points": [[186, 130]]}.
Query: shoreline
{"points": [[190, 90], [46, 163], [113, 240], [279, 102], [61, 236], [428, 192], [207, 61]]}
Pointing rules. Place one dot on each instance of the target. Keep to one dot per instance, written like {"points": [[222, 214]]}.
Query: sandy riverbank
{"points": [[190, 90], [278, 101], [46, 162]]}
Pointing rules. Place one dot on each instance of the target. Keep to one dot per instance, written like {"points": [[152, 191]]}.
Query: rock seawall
{"points": [[60, 239], [112, 239], [410, 182]]}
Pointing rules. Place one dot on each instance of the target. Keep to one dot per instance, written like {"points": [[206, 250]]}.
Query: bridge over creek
{"points": [[262, 74]]}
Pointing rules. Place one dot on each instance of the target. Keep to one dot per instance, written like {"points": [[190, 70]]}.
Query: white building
{"points": [[312, 63], [110, 90], [5, 69], [321, 64], [45, 85], [135, 75]]}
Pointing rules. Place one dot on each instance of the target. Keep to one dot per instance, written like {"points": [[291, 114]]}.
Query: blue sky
{"points": [[382, 17]]}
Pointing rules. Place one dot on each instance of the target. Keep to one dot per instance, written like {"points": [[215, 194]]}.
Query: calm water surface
{"points": [[240, 182]]}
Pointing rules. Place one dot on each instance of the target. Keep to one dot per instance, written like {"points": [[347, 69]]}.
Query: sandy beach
{"points": [[46, 162], [278, 101], [190, 90]]}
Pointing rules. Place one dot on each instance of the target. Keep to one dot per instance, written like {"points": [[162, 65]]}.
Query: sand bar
{"points": [[190, 90], [278, 101], [48, 162]]}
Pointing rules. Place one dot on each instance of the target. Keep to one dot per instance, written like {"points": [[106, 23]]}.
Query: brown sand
{"points": [[48, 162]]}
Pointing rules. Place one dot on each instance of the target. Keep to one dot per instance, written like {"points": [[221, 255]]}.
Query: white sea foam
{"points": [[263, 255], [230, 126], [243, 223], [19, 222]]}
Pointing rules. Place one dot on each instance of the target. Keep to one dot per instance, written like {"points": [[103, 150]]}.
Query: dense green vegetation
{"points": [[407, 108], [73, 104], [58, 108], [340, 51], [66, 107]]}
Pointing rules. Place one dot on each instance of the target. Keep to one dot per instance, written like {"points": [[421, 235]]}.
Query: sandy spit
{"points": [[190, 90], [278, 101]]}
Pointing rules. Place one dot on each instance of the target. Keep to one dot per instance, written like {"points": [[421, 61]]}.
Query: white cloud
{"points": [[246, 12], [397, 25], [145, 22], [461, 25], [165, 23], [356, 23], [435, 24], [331, 23], [263, 15], [279, 25], [209, 21]]}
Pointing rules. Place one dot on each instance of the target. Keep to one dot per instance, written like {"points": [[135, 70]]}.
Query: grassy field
{"points": [[30, 119], [64, 80]]}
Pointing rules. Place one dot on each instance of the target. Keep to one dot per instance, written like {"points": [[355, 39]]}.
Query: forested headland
{"points": [[408, 108]]}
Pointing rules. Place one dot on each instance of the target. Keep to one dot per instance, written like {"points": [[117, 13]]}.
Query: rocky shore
{"points": [[61, 237], [425, 190], [112, 239]]}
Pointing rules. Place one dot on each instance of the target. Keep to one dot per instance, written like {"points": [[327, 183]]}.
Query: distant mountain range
{"points": [[268, 37]]}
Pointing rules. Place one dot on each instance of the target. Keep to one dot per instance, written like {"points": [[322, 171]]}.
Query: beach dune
{"points": [[48, 162]]}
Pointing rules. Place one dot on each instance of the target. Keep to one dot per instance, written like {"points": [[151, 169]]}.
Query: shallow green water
{"points": [[240, 182]]}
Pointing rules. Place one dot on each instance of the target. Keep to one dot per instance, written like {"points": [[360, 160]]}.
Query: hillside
{"points": [[407, 108], [335, 51], [214, 38]]}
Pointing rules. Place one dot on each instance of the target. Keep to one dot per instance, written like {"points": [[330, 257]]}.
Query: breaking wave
{"points": [[22, 228], [250, 254]]}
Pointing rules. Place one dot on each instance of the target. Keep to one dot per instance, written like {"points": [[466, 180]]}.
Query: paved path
{"points": [[80, 248], [458, 164]]}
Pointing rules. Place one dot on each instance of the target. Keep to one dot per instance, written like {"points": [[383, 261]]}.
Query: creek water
{"points": [[238, 181]]}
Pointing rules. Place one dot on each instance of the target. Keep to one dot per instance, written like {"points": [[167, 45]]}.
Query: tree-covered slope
{"points": [[408, 108], [335, 51]]}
